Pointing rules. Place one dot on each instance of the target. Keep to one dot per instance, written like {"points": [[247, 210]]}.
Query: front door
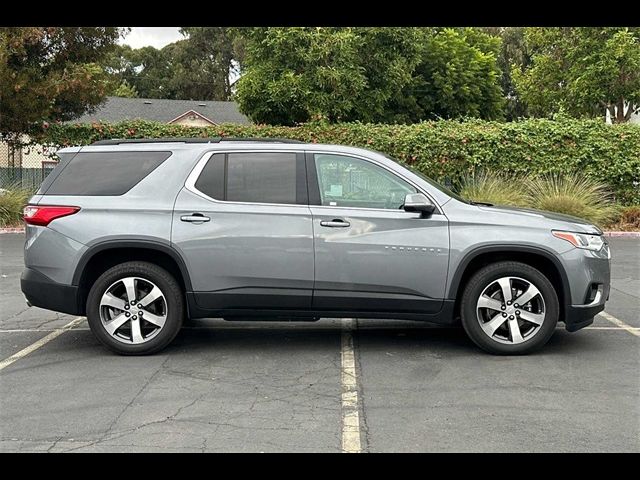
{"points": [[243, 226], [371, 255]]}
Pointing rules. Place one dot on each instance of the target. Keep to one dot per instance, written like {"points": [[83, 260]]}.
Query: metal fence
{"points": [[26, 178]]}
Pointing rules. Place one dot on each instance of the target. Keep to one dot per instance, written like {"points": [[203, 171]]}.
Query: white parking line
{"points": [[621, 324], [350, 412], [43, 341]]}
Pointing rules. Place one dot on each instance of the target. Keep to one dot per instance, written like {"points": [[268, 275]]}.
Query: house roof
{"points": [[117, 109]]}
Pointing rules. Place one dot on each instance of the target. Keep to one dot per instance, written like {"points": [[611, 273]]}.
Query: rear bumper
{"points": [[40, 291]]}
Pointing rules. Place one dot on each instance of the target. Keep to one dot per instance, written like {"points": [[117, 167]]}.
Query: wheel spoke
{"points": [[151, 297], [537, 318], [527, 296], [115, 324], [109, 300], [129, 284], [514, 329], [492, 325], [505, 285], [136, 332], [157, 320], [488, 302]]}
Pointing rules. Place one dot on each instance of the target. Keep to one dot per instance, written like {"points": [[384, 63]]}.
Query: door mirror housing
{"points": [[418, 202]]}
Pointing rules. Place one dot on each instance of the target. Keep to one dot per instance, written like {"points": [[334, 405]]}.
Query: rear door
{"points": [[244, 228], [371, 255]]}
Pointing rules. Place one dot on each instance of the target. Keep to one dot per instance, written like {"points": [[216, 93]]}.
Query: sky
{"points": [[156, 37]]}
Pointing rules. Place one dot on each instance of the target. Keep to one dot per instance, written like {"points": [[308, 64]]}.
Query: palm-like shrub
{"points": [[575, 194], [12, 202], [496, 188]]}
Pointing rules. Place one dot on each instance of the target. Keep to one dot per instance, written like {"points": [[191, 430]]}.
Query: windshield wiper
{"points": [[486, 204]]}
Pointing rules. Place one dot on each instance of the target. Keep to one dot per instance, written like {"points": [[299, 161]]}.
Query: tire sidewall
{"points": [[163, 280], [481, 280]]}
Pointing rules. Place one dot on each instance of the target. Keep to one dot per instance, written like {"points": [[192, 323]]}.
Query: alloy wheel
{"points": [[133, 310], [510, 310]]}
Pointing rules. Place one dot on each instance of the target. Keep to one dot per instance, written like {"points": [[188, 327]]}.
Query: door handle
{"points": [[194, 218], [335, 223]]}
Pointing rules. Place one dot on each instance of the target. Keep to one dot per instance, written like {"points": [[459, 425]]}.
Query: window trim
{"points": [[314, 186], [301, 177]]}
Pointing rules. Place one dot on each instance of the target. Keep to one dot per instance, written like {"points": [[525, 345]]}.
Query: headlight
{"points": [[581, 240]]}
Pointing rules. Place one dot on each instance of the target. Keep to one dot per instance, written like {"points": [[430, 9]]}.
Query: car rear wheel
{"points": [[509, 308], [135, 308]]}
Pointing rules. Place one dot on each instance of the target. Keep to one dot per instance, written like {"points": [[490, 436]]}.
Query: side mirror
{"points": [[417, 202]]}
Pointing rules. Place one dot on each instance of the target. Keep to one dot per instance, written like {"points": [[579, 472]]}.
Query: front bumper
{"points": [[40, 291]]}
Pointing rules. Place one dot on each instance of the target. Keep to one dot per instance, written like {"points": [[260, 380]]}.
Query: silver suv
{"points": [[141, 235]]}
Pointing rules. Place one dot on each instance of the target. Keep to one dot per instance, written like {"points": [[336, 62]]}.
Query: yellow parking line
{"points": [[43, 341], [350, 411], [621, 324]]}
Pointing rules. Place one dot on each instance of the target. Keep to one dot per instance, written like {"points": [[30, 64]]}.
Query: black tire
{"points": [[484, 277], [175, 307]]}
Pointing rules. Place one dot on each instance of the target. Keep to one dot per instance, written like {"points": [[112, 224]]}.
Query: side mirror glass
{"points": [[417, 202]]}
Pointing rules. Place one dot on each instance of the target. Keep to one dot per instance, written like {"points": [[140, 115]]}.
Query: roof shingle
{"points": [[117, 109]]}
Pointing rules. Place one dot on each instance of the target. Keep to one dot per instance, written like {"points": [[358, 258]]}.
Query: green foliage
{"points": [[444, 150], [12, 201], [458, 76], [50, 73], [581, 71], [496, 188], [125, 90], [295, 74], [572, 194], [369, 74], [629, 218], [194, 68]]}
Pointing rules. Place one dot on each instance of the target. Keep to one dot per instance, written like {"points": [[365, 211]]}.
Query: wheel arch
{"points": [[98, 258], [545, 261]]}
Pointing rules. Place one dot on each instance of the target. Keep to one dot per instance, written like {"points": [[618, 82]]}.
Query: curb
{"points": [[622, 234], [606, 234]]}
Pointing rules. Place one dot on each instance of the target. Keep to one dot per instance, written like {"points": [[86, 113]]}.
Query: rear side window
{"points": [[255, 178], [105, 173]]}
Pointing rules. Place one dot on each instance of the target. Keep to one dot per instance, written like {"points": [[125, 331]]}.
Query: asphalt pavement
{"points": [[276, 387]]}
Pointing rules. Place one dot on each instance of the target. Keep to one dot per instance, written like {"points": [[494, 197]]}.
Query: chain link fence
{"points": [[24, 178]]}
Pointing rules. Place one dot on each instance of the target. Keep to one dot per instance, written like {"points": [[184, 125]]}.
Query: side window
{"points": [[211, 179], [351, 182], [102, 173], [261, 177], [255, 178]]}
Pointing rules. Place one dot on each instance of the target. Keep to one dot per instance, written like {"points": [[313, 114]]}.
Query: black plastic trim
{"points": [[508, 248], [140, 244], [445, 316], [577, 317], [43, 292]]}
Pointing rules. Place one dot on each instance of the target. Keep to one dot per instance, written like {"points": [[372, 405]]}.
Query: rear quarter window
{"points": [[104, 173]]}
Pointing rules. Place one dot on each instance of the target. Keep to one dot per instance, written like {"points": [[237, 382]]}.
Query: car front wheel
{"points": [[509, 308]]}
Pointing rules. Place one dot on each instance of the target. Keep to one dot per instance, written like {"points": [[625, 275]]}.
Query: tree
{"points": [[582, 71], [458, 75], [125, 90], [197, 67], [50, 73], [296, 74]]}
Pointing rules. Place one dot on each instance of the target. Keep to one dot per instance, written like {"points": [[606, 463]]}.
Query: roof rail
{"points": [[120, 141]]}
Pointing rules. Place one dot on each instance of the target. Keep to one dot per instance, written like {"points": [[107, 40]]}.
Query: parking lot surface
{"points": [[333, 385]]}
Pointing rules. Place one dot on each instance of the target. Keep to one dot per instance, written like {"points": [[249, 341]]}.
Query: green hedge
{"points": [[445, 150]]}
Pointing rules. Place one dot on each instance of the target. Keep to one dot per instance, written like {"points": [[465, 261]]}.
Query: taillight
{"points": [[45, 214]]}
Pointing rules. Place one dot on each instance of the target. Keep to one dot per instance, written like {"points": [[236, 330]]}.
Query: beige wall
{"points": [[31, 157], [195, 122]]}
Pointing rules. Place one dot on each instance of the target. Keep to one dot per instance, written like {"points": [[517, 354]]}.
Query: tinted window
{"points": [[211, 180], [351, 182], [262, 177], [105, 173]]}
